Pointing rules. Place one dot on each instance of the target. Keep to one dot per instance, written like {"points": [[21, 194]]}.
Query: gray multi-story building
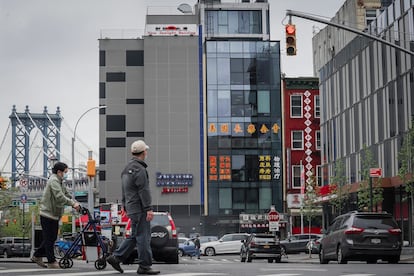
{"points": [[366, 90], [202, 88]]}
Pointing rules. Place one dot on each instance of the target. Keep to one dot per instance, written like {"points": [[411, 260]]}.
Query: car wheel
{"points": [[278, 259], [210, 251], [6, 254], [270, 261], [283, 250], [159, 236], [393, 260], [371, 261], [322, 259], [180, 252], [173, 260], [340, 256]]}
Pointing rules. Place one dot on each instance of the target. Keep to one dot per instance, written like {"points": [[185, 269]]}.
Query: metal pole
{"points": [[90, 190], [73, 157], [370, 195], [349, 29]]}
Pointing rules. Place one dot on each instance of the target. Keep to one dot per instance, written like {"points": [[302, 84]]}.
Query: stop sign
{"points": [[273, 216]]}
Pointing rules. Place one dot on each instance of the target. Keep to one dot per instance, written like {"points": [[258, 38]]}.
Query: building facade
{"points": [[302, 143], [367, 102], [203, 90]]}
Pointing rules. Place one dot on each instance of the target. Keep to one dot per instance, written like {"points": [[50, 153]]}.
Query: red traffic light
{"points": [[290, 29], [290, 39]]}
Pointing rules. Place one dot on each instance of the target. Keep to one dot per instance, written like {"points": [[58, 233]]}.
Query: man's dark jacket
{"points": [[136, 196]]}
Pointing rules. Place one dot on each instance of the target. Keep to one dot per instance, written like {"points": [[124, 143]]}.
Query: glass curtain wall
{"points": [[244, 127]]}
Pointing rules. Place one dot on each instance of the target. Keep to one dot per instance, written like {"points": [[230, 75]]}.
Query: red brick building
{"points": [[301, 115]]}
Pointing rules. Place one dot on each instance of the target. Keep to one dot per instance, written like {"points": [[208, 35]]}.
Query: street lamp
{"points": [[73, 157]]}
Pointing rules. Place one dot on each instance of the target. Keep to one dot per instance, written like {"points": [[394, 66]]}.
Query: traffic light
{"points": [[290, 39]]}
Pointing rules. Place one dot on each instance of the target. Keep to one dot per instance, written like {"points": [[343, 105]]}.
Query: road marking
{"points": [[283, 274], [100, 272], [5, 270], [358, 274], [294, 269]]}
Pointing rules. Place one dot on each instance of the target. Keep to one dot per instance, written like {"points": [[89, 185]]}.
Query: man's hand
{"points": [[150, 215], [76, 206]]}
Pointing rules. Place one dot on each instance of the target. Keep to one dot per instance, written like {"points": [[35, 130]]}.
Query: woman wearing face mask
{"points": [[55, 197]]}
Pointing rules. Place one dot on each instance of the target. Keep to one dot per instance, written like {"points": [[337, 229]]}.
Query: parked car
{"points": [[361, 236], [204, 239], [164, 240], [15, 246], [261, 246], [187, 248], [229, 243], [297, 243]]}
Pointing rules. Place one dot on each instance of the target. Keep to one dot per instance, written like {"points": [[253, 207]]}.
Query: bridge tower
{"points": [[22, 125]]}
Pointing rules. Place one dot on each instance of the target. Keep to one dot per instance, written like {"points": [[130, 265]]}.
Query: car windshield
{"points": [[374, 222]]}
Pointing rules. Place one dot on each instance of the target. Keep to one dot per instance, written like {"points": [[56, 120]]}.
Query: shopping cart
{"points": [[90, 228]]}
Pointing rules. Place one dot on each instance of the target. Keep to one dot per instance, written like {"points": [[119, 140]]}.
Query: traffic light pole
{"points": [[343, 27]]}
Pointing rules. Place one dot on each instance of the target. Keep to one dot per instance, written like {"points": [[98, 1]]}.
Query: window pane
{"points": [[225, 198], [239, 199], [223, 103], [263, 102], [265, 198], [252, 199]]}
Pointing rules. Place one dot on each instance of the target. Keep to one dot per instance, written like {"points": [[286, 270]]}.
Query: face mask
{"points": [[65, 176]]}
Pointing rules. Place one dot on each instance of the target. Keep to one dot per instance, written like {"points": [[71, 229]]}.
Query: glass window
{"points": [[296, 106], [115, 76], [102, 59], [211, 71], [115, 142], [297, 139], [319, 175], [223, 103], [225, 198], [115, 123], [318, 139], [102, 92], [265, 198], [224, 68], [296, 176], [239, 199], [263, 102], [134, 58], [252, 166], [317, 107], [252, 199], [212, 103]]}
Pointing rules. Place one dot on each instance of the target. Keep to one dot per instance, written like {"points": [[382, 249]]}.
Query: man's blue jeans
{"points": [[141, 238]]}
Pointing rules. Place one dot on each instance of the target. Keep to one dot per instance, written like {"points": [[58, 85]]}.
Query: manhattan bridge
{"points": [[31, 145]]}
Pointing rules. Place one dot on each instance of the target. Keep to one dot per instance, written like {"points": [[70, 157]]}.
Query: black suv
{"points": [[164, 240], [361, 236], [261, 246]]}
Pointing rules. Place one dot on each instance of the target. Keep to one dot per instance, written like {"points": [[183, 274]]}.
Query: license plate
{"points": [[376, 241], [266, 246]]}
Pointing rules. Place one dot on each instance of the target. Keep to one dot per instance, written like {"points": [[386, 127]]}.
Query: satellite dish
{"points": [[185, 8]]}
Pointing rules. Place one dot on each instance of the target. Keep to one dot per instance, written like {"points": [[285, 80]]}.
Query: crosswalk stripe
{"points": [[101, 272]]}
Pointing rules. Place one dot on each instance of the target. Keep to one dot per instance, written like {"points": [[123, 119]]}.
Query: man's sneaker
{"points": [[38, 261], [147, 271], [53, 265], [114, 262]]}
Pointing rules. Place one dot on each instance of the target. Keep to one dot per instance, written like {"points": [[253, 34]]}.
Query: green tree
{"points": [[310, 207], [340, 190], [405, 171], [364, 191]]}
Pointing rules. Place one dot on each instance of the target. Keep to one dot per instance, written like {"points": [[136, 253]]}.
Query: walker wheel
{"points": [[65, 263], [100, 263]]}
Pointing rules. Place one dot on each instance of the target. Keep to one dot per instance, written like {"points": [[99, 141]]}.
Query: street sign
{"points": [[375, 172], [273, 217], [30, 202], [23, 198]]}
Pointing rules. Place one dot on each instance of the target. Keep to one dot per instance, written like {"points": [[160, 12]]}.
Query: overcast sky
{"points": [[49, 56]]}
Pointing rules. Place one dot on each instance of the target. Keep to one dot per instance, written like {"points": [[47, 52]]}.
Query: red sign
{"points": [[375, 172], [273, 216]]}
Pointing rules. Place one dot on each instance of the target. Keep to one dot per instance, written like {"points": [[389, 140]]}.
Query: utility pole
{"points": [[343, 27]]}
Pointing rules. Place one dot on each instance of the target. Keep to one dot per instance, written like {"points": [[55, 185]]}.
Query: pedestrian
{"points": [[136, 201], [197, 246], [54, 198]]}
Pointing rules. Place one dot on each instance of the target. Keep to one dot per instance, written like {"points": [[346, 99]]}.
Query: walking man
{"points": [[136, 200], [197, 246]]}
